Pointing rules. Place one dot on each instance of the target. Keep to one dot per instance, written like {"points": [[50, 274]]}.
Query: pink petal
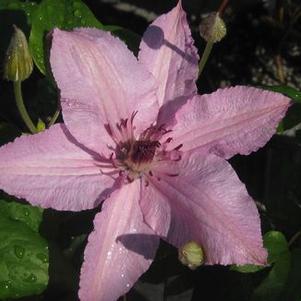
{"points": [[210, 205], [49, 170], [100, 82], [120, 248], [167, 50], [229, 121], [156, 210]]}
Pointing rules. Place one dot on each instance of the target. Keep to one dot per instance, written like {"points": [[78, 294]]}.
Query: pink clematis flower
{"points": [[137, 136]]}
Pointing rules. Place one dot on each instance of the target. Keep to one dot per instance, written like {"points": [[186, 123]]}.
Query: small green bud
{"points": [[18, 64], [41, 125], [191, 254], [213, 28]]}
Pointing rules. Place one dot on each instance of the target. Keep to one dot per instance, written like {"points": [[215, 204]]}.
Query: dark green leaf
{"points": [[23, 252], [293, 288], [276, 244], [280, 258]]}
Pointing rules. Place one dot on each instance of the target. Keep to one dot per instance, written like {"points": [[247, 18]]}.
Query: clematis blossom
{"points": [[138, 139]]}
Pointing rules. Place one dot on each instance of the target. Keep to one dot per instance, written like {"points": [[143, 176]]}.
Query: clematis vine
{"points": [[138, 139]]}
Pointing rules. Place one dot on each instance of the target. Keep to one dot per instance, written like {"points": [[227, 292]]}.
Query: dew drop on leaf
{"points": [[42, 257], [5, 285], [31, 278], [19, 251]]}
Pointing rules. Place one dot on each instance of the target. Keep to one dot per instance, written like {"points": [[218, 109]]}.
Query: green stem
{"points": [[205, 56], [54, 117], [21, 107]]}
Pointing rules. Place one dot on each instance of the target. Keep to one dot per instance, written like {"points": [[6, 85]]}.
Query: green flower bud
{"points": [[213, 28], [191, 254], [41, 126], [18, 64]]}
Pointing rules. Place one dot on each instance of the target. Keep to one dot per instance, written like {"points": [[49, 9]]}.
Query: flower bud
{"points": [[18, 64], [41, 126], [213, 28], [191, 254]]}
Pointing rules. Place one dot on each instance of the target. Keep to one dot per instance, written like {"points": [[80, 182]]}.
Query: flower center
{"points": [[136, 156]]}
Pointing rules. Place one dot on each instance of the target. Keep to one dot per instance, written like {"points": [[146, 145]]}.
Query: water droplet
{"points": [[26, 212], [122, 275], [5, 285], [31, 278], [40, 18], [77, 13], [19, 251], [42, 257], [127, 285]]}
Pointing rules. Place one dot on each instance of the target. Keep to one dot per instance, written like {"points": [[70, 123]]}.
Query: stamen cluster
{"points": [[136, 156]]}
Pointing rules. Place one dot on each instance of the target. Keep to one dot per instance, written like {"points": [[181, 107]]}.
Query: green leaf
{"points": [[23, 252], [276, 244], [280, 258], [64, 14]]}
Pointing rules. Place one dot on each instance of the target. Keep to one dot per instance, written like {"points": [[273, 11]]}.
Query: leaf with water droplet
{"points": [[31, 278], [31, 216], [23, 252], [19, 251]]}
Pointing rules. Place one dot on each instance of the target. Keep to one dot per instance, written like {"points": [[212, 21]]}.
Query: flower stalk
{"points": [[213, 30], [21, 107]]}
